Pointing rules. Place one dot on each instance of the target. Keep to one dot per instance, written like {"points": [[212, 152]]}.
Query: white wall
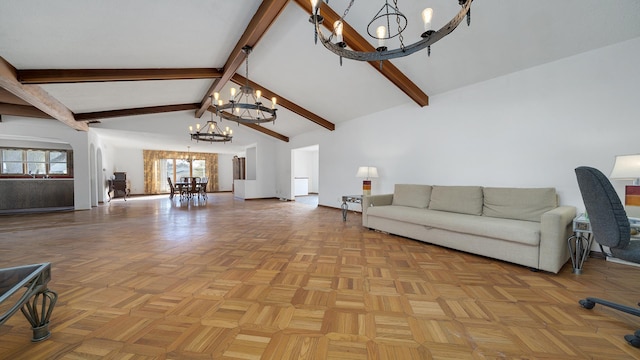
{"points": [[251, 164], [104, 161], [34, 144], [225, 172], [131, 161], [526, 129], [264, 185]]}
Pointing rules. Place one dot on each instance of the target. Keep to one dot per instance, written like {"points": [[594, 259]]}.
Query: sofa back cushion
{"points": [[519, 203], [458, 199], [412, 195]]}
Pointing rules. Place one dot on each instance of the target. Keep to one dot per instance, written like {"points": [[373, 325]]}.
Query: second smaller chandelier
{"points": [[245, 106], [210, 132]]}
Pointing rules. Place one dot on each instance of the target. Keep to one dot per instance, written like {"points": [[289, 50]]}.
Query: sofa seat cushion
{"points": [[519, 203], [525, 232], [400, 213]]}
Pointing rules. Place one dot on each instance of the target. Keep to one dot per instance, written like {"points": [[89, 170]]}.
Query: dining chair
{"points": [[194, 188], [173, 190], [203, 187]]}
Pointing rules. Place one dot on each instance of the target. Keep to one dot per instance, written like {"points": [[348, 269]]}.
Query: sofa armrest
{"points": [[374, 200], [555, 228]]}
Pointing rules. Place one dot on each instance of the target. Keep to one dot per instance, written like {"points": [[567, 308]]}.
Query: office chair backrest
{"points": [[609, 222]]}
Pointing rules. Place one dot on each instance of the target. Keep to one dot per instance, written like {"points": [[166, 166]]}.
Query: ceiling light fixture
{"points": [[188, 157], [249, 111], [388, 23], [211, 132]]}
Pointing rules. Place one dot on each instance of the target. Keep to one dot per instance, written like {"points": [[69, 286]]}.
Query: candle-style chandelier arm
{"points": [[210, 137], [245, 104], [210, 132], [267, 114], [428, 38], [285, 103]]}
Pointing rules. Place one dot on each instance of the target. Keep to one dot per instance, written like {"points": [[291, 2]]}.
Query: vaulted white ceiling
{"points": [[504, 37]]}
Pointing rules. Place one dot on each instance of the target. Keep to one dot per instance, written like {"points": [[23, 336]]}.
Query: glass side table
{"points": [[580, 242], [354, 199]]}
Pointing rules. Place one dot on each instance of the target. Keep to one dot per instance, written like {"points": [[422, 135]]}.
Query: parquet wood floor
{"points": [[154, 278]]}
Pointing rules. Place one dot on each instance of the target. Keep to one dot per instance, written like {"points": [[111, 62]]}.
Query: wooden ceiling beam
{"points": [[37, 97], [9, 98], [266, 131], [268, 94], [162, 109], [57, 76], [267, 13], [22, 110], [135, 111], [358, 43]]}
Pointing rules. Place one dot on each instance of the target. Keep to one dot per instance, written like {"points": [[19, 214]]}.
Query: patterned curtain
{"points": [[153, 177]]}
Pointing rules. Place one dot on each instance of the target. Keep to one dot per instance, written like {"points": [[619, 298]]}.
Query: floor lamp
{"points": [[367, 172]]}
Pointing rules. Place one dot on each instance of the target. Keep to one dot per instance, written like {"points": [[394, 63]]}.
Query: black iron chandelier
{"points": [[245, 106], [211, 132], [388, 23]]}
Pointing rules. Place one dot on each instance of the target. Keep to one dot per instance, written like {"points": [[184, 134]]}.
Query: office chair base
{"points": [[589, 303], [633, 340]]}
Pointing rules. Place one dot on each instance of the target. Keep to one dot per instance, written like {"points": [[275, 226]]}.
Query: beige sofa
{"points": [[519, 225]]}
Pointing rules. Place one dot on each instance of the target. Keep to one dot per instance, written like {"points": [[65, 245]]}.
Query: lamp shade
{"points": [[626, 167], [367, 172]]}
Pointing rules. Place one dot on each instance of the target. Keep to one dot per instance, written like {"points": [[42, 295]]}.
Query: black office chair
{"points": [[611, 228]]}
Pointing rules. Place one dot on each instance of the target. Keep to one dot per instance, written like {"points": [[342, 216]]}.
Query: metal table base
{"points": [[354, 199], [29, 285], [579, 247]]}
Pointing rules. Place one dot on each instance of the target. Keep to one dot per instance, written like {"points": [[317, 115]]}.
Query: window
{"points": [[185, 168], [35, 162], [160, 165], [176, 169], [12, 161], [58, 162], [199, 168], [182, 169]]}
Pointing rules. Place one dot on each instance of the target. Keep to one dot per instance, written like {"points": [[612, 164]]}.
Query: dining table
{"points": [[189, 188]]}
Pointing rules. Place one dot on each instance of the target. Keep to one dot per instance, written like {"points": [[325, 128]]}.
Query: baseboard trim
{"points": [[36, 210], [620, 261]]}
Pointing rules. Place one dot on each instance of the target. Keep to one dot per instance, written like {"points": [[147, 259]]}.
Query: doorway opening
{"points": [[305, 173]]}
